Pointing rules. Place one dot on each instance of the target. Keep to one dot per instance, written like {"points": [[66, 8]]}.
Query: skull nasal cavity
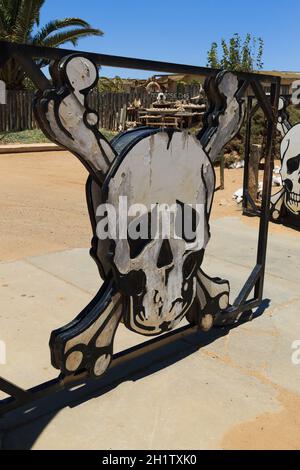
{"points": [[165, 257]]}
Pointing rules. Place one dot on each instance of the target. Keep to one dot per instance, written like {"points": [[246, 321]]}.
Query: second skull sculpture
{"points": [[150, 284], [288, 198]]}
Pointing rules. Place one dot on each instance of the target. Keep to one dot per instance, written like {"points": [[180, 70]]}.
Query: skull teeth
{"points": [[294, 197]]}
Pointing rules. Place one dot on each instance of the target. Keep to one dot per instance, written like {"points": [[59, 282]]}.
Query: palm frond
{"points": [[9, 10], [55, 25], [71, 35], [38, 7], [27, 17], [3, 30]]}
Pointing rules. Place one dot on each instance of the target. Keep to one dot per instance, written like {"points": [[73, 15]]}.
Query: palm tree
{"points": [[20, 21]]}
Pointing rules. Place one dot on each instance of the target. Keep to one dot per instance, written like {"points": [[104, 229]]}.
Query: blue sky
{"points": [[182, 31]]}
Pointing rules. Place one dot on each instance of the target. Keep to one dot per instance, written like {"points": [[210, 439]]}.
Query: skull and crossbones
{"points": [[289, 195], [149, 284], [290, 169]]}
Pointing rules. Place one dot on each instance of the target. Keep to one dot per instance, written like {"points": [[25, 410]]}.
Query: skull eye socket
{"points": [[293, 164], [137, 246], [139, 235], [165, 257], [133, 283]]}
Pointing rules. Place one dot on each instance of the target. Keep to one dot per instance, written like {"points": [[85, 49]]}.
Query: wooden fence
{"points": [[17, 114]]}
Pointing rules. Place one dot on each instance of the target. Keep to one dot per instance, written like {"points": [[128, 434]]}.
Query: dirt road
{"points": [[42, 202]]}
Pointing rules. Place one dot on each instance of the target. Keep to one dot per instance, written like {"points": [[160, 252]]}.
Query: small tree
{"points": [[237, 55], [212, 56], [114, 85]]}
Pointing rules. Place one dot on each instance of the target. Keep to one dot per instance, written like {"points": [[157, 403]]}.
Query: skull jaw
{"points": [[157, 306], [159, 319], [153, 325], [292, 202]]}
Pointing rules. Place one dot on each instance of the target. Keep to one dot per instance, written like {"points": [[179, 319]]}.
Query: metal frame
{"points": [[25, 55], [254, 209]]}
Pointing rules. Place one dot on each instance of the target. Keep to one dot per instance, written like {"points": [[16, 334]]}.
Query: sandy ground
{"points": [[43, 206], [269, 431]]}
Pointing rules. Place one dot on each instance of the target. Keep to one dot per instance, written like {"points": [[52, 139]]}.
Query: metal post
{"points": [[222, 170], [267, 187], [247, 152]]}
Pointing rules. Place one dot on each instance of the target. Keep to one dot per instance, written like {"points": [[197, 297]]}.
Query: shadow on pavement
{"points": [[20, 429]]}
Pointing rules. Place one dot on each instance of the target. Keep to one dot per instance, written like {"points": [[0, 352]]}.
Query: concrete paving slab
{"points": [[33, 303], [192, 401], [235, 240], [187, 405], [277, 290], [73, 266]]}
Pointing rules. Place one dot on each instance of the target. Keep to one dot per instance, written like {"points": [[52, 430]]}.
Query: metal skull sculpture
{"points": [[150, 283], [290, 169], [158, 275], [289, 196]]}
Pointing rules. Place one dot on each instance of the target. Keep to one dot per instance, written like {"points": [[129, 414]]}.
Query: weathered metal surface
{"points": [[226, 113], [158, 284]]}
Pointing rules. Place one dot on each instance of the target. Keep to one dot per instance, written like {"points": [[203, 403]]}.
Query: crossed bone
{"points": [[65, 117]]}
